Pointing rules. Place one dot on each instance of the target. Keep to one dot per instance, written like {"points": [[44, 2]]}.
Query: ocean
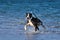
{"points": [[12, 19]]}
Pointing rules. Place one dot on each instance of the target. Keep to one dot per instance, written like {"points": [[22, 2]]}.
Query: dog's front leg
{"points": [[26, 26]]}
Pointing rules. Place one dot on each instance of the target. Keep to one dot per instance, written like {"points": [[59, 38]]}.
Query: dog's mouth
{"points": [[28, 18]]}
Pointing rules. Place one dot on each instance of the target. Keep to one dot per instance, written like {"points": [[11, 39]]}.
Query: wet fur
{"points": [[35, 22]]}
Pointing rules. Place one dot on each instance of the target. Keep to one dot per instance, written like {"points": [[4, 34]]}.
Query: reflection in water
{"points": [[42, 36], [32, 36]]}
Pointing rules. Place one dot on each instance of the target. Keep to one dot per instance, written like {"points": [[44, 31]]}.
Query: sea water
{"points": [[12, 19]]}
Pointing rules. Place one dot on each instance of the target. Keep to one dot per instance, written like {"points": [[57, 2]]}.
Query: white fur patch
{"points": [[30, 23]]}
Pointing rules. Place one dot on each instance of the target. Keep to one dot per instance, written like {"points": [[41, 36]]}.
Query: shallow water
{"points": [[12, 20]]}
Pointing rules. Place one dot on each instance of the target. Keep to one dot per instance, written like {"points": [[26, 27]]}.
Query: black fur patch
{"points": [[36, 21]]}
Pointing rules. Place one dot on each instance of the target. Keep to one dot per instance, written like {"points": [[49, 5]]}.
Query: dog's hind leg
{"points": [[36, 28]]}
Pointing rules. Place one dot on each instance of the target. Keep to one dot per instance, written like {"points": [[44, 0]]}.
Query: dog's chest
{"points": [[30, 23]]}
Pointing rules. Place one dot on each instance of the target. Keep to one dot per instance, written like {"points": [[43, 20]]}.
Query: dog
{"points": [[33, 21]]}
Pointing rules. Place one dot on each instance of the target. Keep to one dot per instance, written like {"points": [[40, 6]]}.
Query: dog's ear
{"points": [[30, 15]]}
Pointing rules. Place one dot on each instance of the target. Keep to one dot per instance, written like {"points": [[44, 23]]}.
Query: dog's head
{"points": [[28, 15]]}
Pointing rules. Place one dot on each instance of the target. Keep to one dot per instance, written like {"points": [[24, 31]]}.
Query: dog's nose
{"points": [[27, 18]]}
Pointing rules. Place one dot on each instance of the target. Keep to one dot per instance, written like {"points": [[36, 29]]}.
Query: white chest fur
{"points": [[30, 23]]}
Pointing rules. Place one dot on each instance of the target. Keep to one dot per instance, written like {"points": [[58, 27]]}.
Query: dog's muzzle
{"points": [[27, 18]]}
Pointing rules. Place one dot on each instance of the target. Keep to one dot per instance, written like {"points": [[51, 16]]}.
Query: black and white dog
{"points": [[32, 21]]}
